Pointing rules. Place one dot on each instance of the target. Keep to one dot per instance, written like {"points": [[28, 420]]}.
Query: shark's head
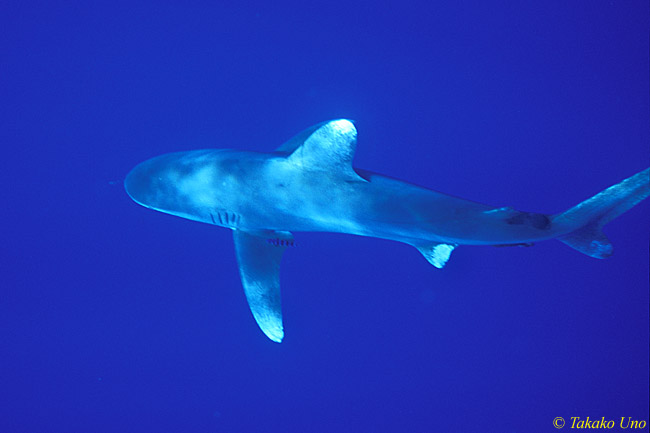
{"points": [[182, 184]]}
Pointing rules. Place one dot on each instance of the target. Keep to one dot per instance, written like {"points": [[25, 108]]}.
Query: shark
{"points": [[309, 183]]}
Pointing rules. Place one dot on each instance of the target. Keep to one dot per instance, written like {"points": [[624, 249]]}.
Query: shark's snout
{"points": [[162, 183], [137, 183], [147, 180]]}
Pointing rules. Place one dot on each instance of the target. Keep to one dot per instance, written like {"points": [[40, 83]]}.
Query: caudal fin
{"points": [[588, 218]]}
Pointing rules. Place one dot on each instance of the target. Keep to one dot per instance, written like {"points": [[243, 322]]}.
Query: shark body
{"points": [[309, 184]]}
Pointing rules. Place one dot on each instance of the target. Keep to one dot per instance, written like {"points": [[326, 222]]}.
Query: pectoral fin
{"points": [[259, 255]]}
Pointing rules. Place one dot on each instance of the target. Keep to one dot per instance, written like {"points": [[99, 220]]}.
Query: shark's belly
{"points": [[379, 207], [391, 209]]}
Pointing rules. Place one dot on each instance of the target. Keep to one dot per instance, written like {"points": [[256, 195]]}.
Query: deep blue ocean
{"points": [[117, 318]]}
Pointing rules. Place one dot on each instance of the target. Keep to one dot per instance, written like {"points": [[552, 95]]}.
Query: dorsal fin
{"points": [[297, 140], [328, 146]]}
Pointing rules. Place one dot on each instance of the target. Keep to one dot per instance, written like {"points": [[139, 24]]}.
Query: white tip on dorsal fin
{"points": [[436, 254], [329, 146], [297, 140]]}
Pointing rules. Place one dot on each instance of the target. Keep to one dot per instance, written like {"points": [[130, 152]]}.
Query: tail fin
{"points": [[591, 215]]}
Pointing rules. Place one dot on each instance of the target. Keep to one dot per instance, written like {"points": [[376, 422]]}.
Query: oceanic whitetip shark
{"points": [[309, 184]]}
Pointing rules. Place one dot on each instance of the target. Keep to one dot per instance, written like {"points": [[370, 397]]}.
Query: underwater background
{"points": [[116, 318]]}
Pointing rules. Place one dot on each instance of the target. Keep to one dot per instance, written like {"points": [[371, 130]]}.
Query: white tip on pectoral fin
{"points": [[436, 254], [259, 255]]}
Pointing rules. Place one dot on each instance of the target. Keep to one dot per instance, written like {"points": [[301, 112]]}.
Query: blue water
{"points": [[115, 318]]}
